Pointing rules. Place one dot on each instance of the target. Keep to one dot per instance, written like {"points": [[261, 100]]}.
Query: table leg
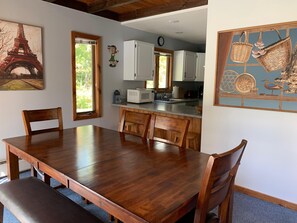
{"points": [[12, 164]]}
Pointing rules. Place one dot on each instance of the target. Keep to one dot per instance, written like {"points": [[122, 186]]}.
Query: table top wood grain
{"points": [[133, 181]]}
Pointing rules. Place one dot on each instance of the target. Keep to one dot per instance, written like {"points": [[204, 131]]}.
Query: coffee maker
{"points": [[116, 97]]}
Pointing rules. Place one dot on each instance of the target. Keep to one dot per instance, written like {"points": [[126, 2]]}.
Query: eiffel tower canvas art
{"points": [[21, 66]]}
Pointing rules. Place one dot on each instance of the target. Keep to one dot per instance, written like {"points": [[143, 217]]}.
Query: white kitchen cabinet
{"points": [[200, 62], [139, 62], [184, 67]]}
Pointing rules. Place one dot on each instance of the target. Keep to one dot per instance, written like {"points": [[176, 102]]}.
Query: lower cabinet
{"points": [[194, 132]]}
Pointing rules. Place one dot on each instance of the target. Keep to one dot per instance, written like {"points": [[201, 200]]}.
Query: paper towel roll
{"points": [[175, 92]]}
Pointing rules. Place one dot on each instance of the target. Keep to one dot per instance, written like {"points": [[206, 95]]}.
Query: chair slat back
{"points": [[218, 182], [40, 115], [134, 123], [178, 126]]}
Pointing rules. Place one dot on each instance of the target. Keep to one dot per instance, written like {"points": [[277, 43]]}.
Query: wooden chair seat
{"points": [[32, 201]]}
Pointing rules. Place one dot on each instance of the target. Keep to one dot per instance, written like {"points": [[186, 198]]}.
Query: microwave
{"points": [[140, 96]]}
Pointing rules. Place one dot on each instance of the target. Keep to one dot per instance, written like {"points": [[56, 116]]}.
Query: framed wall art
{"points": [[21, 66], [257, 67]]}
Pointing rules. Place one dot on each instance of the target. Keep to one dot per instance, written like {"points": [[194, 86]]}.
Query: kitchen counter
{"points": [[183, 108]]}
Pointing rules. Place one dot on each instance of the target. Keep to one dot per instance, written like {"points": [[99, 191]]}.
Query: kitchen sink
{"points": [[175, 100], [169, 101]]}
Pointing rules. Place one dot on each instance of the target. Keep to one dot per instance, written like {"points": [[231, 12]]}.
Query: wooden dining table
{"points": [[133, 181]]}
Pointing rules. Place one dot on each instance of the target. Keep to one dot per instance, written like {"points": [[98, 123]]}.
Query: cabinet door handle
{"points": [[153, 73]]}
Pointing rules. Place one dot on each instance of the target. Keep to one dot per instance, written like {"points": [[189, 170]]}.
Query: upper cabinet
{"points": [[200, 62], [184, 68], [139, 61], [188, 66]]}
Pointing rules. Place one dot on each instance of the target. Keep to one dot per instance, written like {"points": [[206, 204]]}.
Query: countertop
{"points": [[185, 108]]}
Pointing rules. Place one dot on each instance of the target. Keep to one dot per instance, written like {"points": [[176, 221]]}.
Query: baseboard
{"points": [[23, 165], [265, 197]]}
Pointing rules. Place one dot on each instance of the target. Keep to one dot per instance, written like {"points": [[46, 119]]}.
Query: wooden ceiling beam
{"points": [[108, 15], [168, 7], [104, 7], [70, 4], [108, 4]]}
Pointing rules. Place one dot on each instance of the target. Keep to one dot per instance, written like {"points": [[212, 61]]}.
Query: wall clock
{"points": [[161, 41]]}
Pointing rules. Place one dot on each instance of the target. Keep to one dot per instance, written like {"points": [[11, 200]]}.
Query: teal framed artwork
{"points": [[257, 67]]}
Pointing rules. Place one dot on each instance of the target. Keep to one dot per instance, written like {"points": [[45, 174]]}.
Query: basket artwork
{"points": [[241, 51], [268, 79], [277, 55]]}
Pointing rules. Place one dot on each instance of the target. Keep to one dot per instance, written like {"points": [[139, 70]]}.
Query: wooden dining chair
{"points": [[41, 115], [217, 188], [175, 130], [31, 118], [134, 123]]}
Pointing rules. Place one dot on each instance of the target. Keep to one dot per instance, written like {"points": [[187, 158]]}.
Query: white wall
{"points": [[57, 23], [270, 162]]}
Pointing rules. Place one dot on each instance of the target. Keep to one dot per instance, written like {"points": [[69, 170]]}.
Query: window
{"points": [[86, 90], [163, 71]]}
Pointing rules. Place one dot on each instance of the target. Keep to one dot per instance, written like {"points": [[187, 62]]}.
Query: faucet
{"points": [[164, 97]]}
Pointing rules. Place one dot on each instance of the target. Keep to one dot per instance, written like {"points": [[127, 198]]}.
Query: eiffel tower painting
{"points": [[20, 57]]}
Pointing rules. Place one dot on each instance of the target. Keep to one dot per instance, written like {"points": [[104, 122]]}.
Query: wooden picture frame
{"points": [[257, 68], [21, 57]]}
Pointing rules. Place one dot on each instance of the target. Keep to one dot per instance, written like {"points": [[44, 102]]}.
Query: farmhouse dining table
{"points": [[132, 181]]}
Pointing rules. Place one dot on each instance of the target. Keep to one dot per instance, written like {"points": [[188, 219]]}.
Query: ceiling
{"points": [[180, 19], [188, 25]]}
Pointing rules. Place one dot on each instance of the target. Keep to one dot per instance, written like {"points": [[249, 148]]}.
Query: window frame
{"points": [[97, 112], [169, 69]]}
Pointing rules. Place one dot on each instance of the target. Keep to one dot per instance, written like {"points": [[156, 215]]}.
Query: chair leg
{"points": [[230, 208], [1, 213], [85, 200], [46, 179], [110, 218], [33, 171], [225, 209], [117, 220]]}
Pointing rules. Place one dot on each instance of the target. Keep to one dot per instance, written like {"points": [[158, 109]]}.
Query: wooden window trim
{"points": [[97, 78], [169, 68]]}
